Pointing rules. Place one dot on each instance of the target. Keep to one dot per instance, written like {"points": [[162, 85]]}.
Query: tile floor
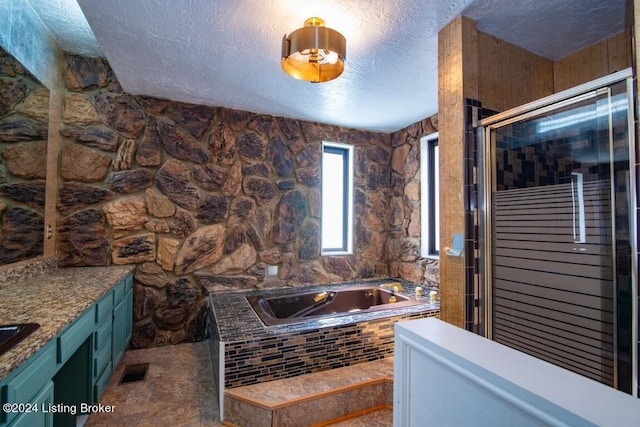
{"points": [[381, 418], [179, 390]]}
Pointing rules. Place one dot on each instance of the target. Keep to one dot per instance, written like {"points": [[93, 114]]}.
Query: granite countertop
{"points": [[52, 299]]}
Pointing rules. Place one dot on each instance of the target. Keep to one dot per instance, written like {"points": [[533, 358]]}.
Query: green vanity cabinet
{"points": [[74, 367]]}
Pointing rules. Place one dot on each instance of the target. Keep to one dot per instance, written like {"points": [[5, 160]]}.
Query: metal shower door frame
{"points": [[486, 166]]}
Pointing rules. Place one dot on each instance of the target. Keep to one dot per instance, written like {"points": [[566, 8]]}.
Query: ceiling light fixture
{"points": [[314, 52]]}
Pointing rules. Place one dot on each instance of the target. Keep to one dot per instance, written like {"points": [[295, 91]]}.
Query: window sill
{"points": [[335, 253]]}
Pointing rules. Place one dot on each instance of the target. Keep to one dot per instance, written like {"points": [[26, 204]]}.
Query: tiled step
{"points": [[317, 399], [382, 417]]}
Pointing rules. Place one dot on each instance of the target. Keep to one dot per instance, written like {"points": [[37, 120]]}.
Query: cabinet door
{"points": [[122, 319], [101, 383], [128, 323], [43, 417], [118, 342], [22, 386], [102, 348]]}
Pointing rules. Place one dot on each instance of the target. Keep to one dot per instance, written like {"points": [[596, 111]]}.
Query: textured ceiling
{"points": [[68, 26], [227, 52], [549, 28]]}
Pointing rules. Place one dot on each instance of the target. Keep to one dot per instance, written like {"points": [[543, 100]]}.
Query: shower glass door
{"points": [[558, 204]]}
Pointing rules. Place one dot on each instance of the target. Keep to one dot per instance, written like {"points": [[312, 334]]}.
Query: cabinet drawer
{"points": [[32, 378], [101, 360], [104, 307], [103, 336], [75, 335], [102, 382]]}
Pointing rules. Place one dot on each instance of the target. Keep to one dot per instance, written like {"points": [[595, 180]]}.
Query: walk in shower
{"points": [[558, 192]]}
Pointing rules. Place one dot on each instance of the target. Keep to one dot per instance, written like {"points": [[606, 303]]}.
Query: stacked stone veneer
{"points": [[404, 207], [203, 199], [24, 117]]}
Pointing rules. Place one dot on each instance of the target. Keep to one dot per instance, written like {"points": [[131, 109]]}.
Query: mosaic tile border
{"points": [[267, 359]]}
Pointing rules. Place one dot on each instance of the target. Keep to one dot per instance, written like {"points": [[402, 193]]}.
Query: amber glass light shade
{"points": [[314, 52]]}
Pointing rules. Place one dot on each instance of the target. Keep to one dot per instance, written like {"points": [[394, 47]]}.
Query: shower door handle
{"points": [[577, 204]]}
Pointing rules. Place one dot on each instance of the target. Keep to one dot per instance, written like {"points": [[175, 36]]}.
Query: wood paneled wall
{"points": [[455, 42], [509, 76], [602, 58]]}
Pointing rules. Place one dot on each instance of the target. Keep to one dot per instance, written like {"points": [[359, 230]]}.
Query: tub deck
{"points": [[302, 306], [236, 320]]}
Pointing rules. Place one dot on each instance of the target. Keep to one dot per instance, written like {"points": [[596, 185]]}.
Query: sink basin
{"points": [[10, 335]]}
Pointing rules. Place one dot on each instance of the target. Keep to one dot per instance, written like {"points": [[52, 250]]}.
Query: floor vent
{"points": [[133, 373]]}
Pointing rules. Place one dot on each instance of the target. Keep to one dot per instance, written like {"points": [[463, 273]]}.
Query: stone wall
{"points": [[203, 199], [404, 207], [24, 116]]}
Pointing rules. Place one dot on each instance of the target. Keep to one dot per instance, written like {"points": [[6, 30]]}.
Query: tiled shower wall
{"points": [[636, 166], [635, 5], [637, 239], [474, 289]]}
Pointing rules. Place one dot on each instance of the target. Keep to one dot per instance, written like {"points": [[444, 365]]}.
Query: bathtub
{"points": [[303, 306]]}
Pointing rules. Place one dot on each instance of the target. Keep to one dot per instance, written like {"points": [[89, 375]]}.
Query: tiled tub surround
{"points": [[53, 300], [245, 351]]}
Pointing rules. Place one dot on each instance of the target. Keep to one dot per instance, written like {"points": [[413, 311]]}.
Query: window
{"points": [[430, 196], [337, 196]]}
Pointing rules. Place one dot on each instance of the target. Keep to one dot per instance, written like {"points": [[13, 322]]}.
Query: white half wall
{"points": [[446, 376]]}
